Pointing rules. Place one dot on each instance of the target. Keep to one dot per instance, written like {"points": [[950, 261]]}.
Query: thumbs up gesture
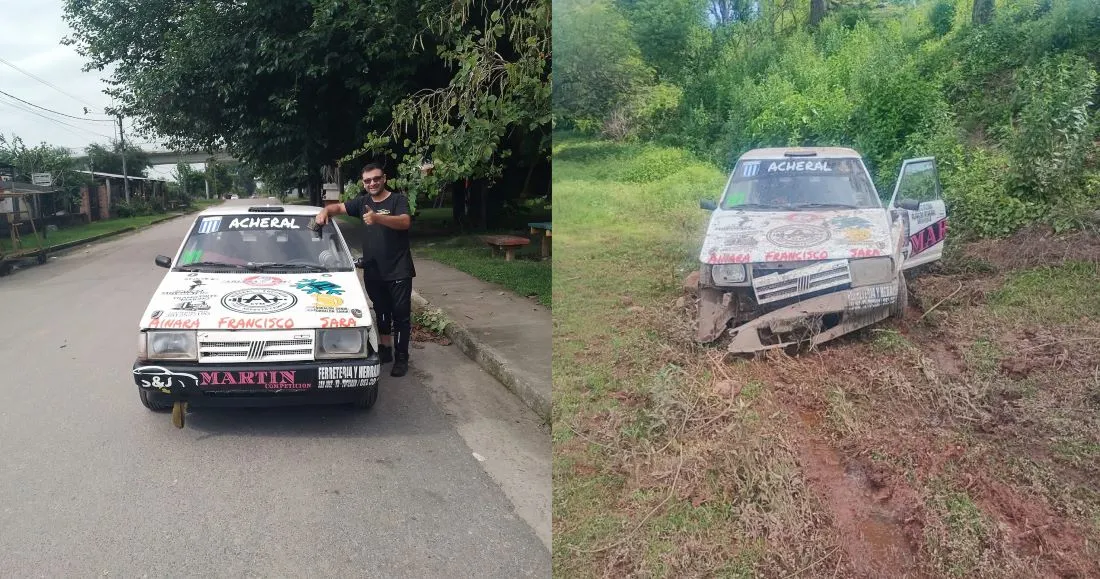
{"points": [[368, 217]]}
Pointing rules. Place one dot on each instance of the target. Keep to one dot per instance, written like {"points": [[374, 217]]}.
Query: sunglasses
{"points": [[370, 180]]}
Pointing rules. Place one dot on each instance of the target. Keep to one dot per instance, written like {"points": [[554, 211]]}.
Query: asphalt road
{"points": [[92, 483]]}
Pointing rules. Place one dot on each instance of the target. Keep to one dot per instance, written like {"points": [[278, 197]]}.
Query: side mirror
{"points": [[708, 205], [163, 261], [358, 263], [909, 204]]}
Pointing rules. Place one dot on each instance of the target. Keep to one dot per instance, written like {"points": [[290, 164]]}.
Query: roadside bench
{"points": [[507, 243], [545, 228]]}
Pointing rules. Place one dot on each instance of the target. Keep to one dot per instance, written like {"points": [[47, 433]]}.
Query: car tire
{"points": [[367, 399], [902, 303], [151, 404]]}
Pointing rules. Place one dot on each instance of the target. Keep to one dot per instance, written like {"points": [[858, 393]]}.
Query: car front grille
{"points": [[779, 283], [230, 346]]}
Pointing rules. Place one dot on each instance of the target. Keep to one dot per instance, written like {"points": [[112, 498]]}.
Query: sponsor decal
{"points": [[156, 314], [357, 313], [327, 301], [857, 235], [256, 323], [796, 255], [210, 224], [750, 168], [872, 297], [922, 216], [801, 235], [263, 280], [805, 217], [191, 305], [259, 301], [740, 240], [316, 286], [346, 376], [264, 223], [338, 322], [928, 237], [864, 252], [787, 166], [269, 379], [164, 379], [174, 324]]}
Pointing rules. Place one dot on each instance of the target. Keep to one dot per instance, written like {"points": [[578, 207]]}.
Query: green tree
{"points": [[109, 160], [662, 30]]}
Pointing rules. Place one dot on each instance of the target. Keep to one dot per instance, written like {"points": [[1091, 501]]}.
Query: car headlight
{"points": [[341, 343], [728, 273], [871, 270], [168, 345]]}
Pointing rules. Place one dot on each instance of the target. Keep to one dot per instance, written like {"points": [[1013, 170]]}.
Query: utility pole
{"points": [[125, 175]]}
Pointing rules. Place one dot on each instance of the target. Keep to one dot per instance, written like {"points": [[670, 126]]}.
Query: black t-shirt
{"points": [[386, 254]]}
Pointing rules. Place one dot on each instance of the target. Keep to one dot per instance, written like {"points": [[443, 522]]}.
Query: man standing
{"points": [[387, 261]]}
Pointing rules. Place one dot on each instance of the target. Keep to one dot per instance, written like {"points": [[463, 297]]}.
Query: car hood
{"points": [[243, 301], [759, 237]]}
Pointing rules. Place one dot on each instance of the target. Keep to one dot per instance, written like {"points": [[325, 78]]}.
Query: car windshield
{"points": [[797, 183], [263, 242]]}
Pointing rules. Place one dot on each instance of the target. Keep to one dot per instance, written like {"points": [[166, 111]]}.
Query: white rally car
{"points": [[801, 250], [260, 307]]}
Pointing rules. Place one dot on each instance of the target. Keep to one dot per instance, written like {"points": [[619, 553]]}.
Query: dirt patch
{"points": [[1036, 246], [421, 334]]}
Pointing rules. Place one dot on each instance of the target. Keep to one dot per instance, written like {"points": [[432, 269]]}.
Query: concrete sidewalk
{"points": [[507, 335]]}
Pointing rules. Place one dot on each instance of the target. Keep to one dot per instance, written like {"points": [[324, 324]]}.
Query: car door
{"points": [[918, 199]]}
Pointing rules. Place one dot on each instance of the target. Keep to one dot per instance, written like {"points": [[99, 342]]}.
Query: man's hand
{"points": [[370, 217], [322, 217]]}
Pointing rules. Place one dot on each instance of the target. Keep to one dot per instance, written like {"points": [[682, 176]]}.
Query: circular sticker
{"points": [[801, 235], [259, 301], [357, 313], [263, 280]]}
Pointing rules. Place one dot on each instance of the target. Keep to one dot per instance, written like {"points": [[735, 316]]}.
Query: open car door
{"points": [[918, 199]]}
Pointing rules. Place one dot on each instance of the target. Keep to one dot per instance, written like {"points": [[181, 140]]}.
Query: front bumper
{"points": [[816, 320], [272, 384]]}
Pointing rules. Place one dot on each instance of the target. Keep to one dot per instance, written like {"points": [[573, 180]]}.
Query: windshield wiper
{"points": [[211, 264], [756, 206], [840, 205], [307, 266]]}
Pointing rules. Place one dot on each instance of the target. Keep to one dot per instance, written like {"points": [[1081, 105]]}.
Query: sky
{"points": [[30, 38]]}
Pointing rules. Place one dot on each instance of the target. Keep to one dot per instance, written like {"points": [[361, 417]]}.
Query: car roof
{"points": [[802, 153], [239, 209]]}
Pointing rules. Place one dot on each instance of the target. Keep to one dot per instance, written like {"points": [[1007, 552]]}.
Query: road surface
{"points": [[447, 476]]}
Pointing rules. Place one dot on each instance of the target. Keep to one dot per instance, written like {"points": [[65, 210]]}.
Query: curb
{"points": [[490, 360], [94, 238]]}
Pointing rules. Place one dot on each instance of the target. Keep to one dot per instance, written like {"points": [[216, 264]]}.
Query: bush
{"points": [[942, 17]]}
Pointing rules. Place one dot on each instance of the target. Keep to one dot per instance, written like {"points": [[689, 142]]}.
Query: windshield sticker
{"points": [[264, 223], [185, 324], [210, 224], [736, 198], [263, 280], [802, 235], [269, 379], [750, 168], [256, 323], [315, 286], [164, 379], [346, 376], [795, 255], [259, 301], [928, 237], [787, 166], [191, 256]]}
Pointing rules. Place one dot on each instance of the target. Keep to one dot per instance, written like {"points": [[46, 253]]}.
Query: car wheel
{"points": [[902, 303], [367, 400], [151, 404]]}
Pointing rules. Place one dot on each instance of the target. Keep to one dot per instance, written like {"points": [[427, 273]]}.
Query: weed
{"points": [[956, 533], [435, 321]]}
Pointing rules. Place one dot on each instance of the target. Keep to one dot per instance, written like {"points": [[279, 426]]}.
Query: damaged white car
{"points": [[800, 249]]}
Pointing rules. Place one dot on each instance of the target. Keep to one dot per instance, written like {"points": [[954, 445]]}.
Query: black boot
{"points": [[400, 366], [385, 353]]}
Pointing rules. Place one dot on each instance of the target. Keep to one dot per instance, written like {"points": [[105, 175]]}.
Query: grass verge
{"points": [[526, 276]]}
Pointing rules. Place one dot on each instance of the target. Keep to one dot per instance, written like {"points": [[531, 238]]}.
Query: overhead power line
{"points": [[57, 113], [36, 113], [47, 83]]}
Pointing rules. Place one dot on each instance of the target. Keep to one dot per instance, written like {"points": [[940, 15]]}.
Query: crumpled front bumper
{"points": [[271, 384], [816, 320]]}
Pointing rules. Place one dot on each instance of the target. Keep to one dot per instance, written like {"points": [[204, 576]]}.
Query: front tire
{"points": [[153, 404], [902, 303], [367, 400]]}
